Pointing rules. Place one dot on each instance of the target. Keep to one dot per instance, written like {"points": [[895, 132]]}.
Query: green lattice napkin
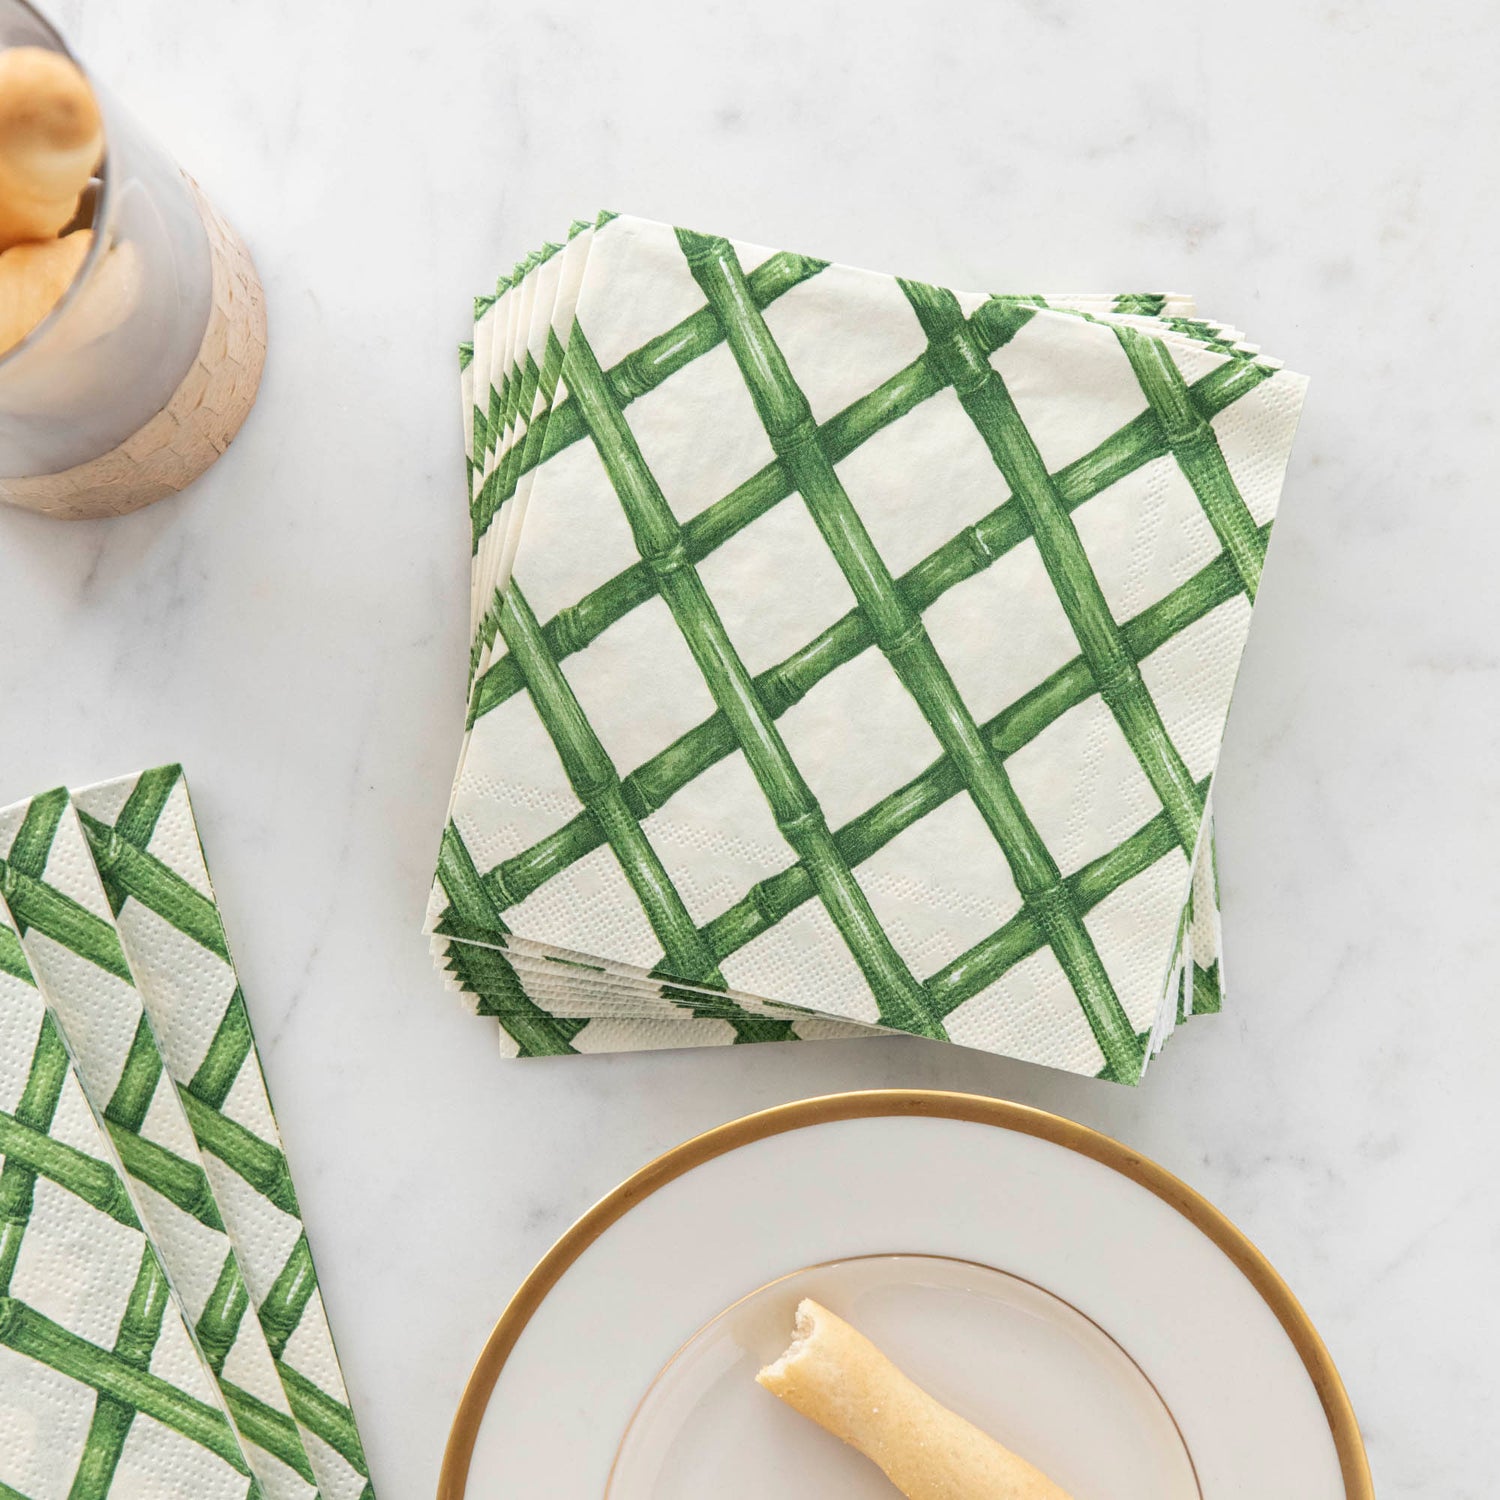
{"points": [[849, 654], [110, 896], [101, 1384]]}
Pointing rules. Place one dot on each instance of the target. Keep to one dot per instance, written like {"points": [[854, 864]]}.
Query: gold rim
{"points": [[1355, 1469]]}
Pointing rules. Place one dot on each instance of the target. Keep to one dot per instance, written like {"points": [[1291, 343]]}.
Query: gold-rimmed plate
{"points": [[1073, 1298]]}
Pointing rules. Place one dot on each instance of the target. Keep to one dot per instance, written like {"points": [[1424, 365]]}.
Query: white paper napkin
{"points": [[102, 1388], [59, 908], [848, 651], [145, 845], [114, 918]]}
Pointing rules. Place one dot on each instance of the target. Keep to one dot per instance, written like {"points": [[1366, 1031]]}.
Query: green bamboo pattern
{"points": [[34, 1112], [529, 448], [470, 903], [787, 418], [477, 411], [141, 882], [130, 871], [974, 549], [576, 627], [514, 468], [1207, 1000], [119, 1377], [1116, 675], [132, 1097], [1210, 335], [250, 1158], [519, 978], [1190, 435], [133, 872], [156, 1161], [486, 974], [36, 905], [521, 376], [33, 841], [514, 475], [521, 392], [987, 961], [650, 786], [281, 1311], [1018, 939], [596, 783], [557, 1034], [658, 539], [270, 1430], [138, 817], [483, 971], [1006, 733], [33, 837], [36, 1154], [480, 416], [219, 1323], [139, 1330], [30, 1333], [13, 957], [646, 368], [500, 996], [491, 376], [530, 381], [1142, 304], [332, 1421], [1137, 443], [506, 374], [182, 1183], [232, 1044]]}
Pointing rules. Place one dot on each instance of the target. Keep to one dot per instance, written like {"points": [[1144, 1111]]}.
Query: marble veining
{"points": [[293, 628]]}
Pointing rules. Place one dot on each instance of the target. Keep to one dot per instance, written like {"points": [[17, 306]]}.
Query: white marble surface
{"points": [[293, 630]]}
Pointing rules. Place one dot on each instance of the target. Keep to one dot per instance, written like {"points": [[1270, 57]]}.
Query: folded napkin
{"points": [[92, 1342], [849, 654], [114, 919]]}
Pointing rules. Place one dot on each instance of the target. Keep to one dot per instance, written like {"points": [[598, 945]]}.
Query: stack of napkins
{"points": [[848, 654], [161, 1329]]}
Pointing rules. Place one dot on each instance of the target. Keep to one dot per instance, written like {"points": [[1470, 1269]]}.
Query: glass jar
{"points": [[143, 371]]}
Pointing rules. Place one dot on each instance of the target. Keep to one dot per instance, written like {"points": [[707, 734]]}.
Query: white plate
{"points": [[1078, 1302]]}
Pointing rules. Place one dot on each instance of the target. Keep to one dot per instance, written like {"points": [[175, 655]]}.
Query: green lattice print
{"points": [[863, 656], [59, 911], [145, 844], [101, 1386]]}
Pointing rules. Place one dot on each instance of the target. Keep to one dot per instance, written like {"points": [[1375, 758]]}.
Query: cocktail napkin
{"points": [[849, 655], [145, 845], [101, 1384], [58, 907], [110, 897]]}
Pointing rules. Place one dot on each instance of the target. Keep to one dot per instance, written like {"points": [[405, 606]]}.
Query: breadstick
{"points": [[837, 1377], [32, 278], [51, 139]]}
